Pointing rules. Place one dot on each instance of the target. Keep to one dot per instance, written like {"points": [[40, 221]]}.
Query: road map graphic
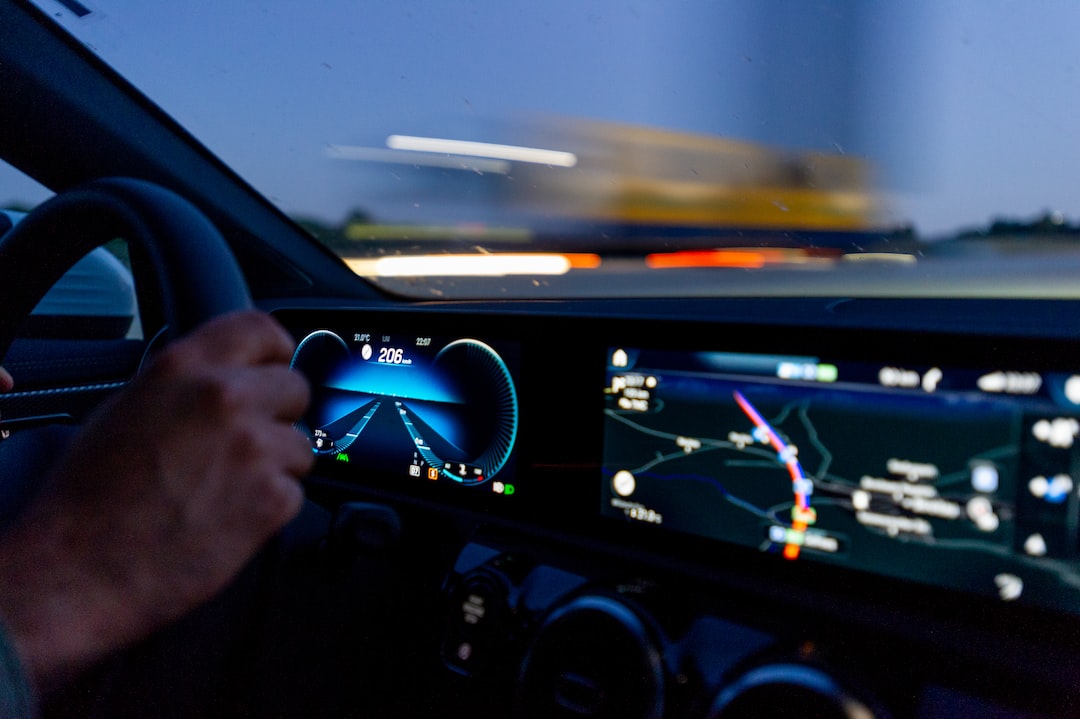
{"points": [[915, 485], [802, 516]]}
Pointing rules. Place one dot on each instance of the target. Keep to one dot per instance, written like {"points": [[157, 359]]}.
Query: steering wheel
{"points": [[199, 279], [197, 273]]}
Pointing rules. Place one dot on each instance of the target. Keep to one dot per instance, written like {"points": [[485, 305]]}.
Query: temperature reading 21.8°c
{"points": [[410, 406]]}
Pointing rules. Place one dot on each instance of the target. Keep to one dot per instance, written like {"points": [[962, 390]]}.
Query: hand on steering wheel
{"points": [[176, 481]]}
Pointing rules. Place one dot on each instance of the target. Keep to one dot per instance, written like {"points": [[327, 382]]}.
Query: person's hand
{"points": [[6, 383], [165, 494]]}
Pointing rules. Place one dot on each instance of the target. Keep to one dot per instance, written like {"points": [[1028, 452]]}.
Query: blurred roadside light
{"points": [[899, 258], [745, 258], [472, 265]]}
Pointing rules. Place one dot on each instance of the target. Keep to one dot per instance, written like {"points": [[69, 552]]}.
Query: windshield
{"points": [[725, 135]]}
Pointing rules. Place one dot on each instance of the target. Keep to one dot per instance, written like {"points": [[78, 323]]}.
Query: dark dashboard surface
{"points": [[731, 502]]}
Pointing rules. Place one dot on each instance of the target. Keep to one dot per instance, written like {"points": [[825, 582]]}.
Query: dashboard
{"points": [[669, 515]]}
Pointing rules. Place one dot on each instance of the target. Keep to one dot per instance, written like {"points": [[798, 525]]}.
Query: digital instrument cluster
{"points": [[414, 406], [954, 477]]}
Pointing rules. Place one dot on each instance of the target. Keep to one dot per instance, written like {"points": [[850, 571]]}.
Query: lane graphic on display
{"points": [[346, 429], [956, 488], [409, 405]]}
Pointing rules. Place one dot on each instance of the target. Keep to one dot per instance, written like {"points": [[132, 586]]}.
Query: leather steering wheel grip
{"points": [[197, 273]]}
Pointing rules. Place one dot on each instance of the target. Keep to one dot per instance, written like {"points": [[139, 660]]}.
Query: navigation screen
{"points": [[954, 477]]}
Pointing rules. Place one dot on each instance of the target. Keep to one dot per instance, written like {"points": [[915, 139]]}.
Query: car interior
{"points": [[705, 488]]}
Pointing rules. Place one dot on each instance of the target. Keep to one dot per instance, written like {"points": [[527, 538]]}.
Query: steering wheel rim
{"points": [[196, 271]]}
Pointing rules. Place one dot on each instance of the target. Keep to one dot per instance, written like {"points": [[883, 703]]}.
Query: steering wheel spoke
{"points": [[197, 273]]}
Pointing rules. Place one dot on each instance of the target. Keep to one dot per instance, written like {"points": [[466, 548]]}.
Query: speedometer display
{"points": [[430, 408]]}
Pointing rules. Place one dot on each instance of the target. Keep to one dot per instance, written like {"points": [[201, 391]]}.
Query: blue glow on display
{"points": [[445, 421], [398, 381], [334, 405]]}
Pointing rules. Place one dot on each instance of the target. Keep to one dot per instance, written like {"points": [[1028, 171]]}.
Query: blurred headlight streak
{"points": [[534, 155], [471, 265]]}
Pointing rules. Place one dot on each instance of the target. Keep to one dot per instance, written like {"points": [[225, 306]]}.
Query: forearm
{"points": [[58, 617], [17, 698]]}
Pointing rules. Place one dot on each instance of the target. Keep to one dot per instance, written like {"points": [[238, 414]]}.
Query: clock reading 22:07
{"points": [[442, 409]]}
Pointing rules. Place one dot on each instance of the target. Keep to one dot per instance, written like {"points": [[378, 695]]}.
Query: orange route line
{"points": [[802, 502]]}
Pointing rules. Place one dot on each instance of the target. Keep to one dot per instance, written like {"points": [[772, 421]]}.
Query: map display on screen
{"points": [[955, 477]]}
